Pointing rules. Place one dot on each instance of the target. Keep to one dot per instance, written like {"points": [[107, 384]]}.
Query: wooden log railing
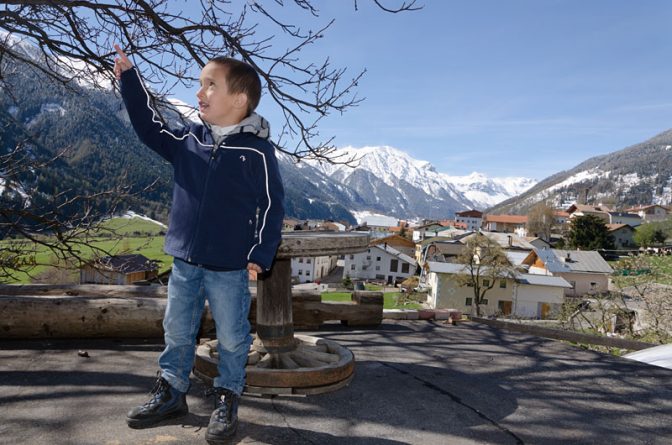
{"points": [[95, 311]]}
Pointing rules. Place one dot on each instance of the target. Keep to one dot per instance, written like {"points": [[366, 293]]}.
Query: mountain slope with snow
{"points": [[637, 175], [391, 178]]}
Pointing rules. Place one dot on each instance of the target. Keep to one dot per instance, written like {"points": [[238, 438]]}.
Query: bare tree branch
{"points": [[73, 41]]}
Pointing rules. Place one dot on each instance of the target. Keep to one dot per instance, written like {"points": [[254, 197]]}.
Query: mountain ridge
{"points": [[635, 175]]}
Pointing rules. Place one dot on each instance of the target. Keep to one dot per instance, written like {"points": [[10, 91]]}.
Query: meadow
{"points": [[115, 236]]}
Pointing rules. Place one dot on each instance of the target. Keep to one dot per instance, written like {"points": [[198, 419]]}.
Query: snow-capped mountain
{"points": [[640, 174], [486, 192], [394, 181]]}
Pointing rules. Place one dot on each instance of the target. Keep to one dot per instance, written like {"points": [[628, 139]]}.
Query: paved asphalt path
{"points": [[416, 382]]}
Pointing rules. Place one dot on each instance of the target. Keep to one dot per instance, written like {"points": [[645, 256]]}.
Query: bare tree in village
{"points": [[485, 264], [71, 42], [541, 221], [637, 279]]}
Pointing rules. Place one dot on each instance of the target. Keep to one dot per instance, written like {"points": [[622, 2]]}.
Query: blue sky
{"points": [[506, 88]]}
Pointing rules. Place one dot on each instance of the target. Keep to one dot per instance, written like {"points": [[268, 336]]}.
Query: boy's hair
{"points": [[241, 78]]}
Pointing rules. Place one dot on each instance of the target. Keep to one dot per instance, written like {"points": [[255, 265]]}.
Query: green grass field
{"points": [[134, 226], [132, 236], [391, 300]]}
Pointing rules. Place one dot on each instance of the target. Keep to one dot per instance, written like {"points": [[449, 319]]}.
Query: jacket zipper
{"points": [[200, 204]]}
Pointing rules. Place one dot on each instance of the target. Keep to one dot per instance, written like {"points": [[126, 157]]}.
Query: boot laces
{"points": [[160, 386], [224, 399]]}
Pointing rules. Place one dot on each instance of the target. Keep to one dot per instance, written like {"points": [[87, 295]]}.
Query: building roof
{"points": [[588, 208], [536, 239], [530, 279], [441, 267], [516, 257], [470, 214], [505, 240], [625, 214], [435, 224], [556, 260], [443, 249], [393, 240], [395, 252], [506, 219], [542, 280], [644, 207], [125, 263], [615, 227]]}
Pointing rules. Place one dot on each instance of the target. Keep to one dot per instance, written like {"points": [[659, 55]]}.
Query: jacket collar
{"points": [[253, 124]]}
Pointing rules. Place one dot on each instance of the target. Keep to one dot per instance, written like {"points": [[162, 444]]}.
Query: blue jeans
{"points": [[228, 296]]}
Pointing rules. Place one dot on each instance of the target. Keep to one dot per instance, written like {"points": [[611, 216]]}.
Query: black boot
{"points": [[166, 403], [224, 419]]}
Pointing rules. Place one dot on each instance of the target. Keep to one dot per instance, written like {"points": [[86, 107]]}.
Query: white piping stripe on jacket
{"points": [[268, 194], [157, 121]]}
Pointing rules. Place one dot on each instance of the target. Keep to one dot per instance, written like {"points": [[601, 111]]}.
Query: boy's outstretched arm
{"points": [[145, 120]]}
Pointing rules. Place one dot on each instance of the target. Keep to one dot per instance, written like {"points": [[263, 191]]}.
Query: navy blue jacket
{"points": [[227, 200]]}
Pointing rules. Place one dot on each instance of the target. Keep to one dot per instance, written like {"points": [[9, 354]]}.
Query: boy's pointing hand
{"points": [[121, 63]]}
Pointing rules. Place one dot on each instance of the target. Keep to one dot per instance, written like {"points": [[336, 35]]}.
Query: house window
{"points": [[394, 265], [377, 258], [300, 272], [377, 267], [352, 267], [300, 260], [573, 284], [502, 283], [404, 268], [593, 285], [307, 272], [468, 301], [368, 257], [484, 301], [486, 282], [352, 257], [308, 260]]}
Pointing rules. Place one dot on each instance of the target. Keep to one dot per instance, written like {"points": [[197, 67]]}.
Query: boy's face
{"points": [[216, 104]]}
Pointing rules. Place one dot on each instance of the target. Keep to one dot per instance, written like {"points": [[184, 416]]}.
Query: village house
{"points": [[506, 223], [623, 234], [379, 263], [631, 219], [331, 226], [403, 245], [309, 269], [118, 269], [600, 211], [586, 271], [438, 249], [451, 223], [650, 213], [452, 232], [513, 294], [516, 248], [426, 230], [472, 219], [401, 229], [378, 225], [289, 224], [560, 217]]}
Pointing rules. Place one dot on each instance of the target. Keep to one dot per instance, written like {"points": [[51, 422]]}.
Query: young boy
{"points": [[225, 222]]}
